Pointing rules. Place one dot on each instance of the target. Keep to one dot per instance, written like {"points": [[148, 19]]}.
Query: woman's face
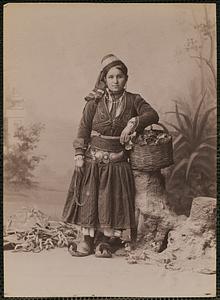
{"points": [[115, 79]]}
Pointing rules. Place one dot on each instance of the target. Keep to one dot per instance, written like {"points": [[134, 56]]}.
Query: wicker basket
{"points": [[152, 157]]}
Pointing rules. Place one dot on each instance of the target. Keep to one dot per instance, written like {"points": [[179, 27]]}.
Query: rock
{"points": [[203, 211], [193, 244], [190, 242], [154, 217], [179, 243], [150, 192]]}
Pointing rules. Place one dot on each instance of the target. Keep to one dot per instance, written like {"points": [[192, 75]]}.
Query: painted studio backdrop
{"points": [[52, 56]]}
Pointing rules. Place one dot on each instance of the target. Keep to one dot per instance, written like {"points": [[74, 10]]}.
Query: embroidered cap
{"points": [[108, 59]]}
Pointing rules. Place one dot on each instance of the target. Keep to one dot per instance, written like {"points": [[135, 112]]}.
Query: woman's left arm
{"points": [[146, 115]]}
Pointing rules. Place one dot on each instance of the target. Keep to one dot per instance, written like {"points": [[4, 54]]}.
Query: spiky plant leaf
{"points": [[204, 155], [190, 163], [179, 142], [178, 167], [206, 146], [181, 125], [187, 118], [174, 126], [195, 119], [178, 139], [209, 137], [185, 130], [183, 147], [203, 122], [177, 129], [183, 104], [204, 167], [190, 146]]}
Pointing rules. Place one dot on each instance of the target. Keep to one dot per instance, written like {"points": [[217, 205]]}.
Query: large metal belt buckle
{"points": [[93, 153], [105, 157], [100, 156]]}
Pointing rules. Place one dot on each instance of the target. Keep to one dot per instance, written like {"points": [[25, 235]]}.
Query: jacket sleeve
{"points": [[146, 115], [82, 139]]}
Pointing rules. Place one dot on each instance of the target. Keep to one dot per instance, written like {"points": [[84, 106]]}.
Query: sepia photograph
{"points": [[110, 146]]}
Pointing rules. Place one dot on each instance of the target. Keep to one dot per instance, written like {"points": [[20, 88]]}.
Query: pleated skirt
{"points": [[105, 198]]}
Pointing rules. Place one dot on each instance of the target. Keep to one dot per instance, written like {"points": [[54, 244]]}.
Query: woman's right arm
{"points": [[80, 144]]}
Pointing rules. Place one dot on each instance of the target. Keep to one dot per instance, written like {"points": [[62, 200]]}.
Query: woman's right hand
{"points": [[79, 164]]}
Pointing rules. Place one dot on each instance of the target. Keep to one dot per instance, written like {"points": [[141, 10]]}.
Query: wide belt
{"points": [[109, 145], [107, 137], [105, 157]]}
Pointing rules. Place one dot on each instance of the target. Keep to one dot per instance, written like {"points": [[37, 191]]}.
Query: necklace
{"points": [[114, 103]]}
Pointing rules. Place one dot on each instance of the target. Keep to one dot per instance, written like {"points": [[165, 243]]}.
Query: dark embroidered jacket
{"points": [[97, 117]]}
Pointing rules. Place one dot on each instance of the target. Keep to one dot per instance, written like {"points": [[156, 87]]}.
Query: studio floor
{"points": [[56, 273]]}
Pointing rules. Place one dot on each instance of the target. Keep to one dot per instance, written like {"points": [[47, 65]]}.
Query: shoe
{"points": [[84, 248], [103, 250]]}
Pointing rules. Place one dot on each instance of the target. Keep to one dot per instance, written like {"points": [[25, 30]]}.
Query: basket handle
{"points": [[161, 125]]}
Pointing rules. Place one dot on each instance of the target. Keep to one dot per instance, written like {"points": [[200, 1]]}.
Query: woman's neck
{"points": [[116, 95]]}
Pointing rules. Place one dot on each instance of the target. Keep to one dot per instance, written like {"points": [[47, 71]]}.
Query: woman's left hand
{"points": [[128, 130], [124, 138]]}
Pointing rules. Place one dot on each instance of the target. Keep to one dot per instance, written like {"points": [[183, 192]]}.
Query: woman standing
{"points": [[103, 177]]}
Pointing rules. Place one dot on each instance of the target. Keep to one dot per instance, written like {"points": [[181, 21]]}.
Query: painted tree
{"points": [[21, 160], [202, 49]]}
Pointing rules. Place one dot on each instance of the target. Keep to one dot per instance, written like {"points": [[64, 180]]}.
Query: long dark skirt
{"points": [[106, 199]]}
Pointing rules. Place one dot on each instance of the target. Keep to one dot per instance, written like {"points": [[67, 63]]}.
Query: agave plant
{"points": [[194, 149]]}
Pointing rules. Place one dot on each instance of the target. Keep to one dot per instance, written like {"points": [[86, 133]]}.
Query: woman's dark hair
{"points": [[119, 64]]}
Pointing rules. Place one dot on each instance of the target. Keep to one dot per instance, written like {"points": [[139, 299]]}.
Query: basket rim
{"points": [[152, 145]]}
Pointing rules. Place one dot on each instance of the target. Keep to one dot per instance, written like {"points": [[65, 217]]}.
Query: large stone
{"points": [[154, 218], [203, 211], [150, 192], [191, 245]]}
